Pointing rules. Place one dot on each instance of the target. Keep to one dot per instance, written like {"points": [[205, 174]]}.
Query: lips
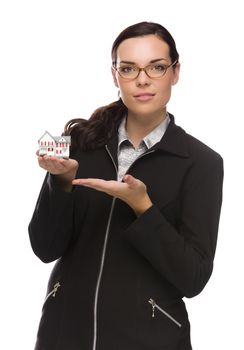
{"points": [[144, 96]]}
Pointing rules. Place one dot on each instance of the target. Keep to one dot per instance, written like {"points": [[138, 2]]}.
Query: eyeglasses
{"points": [[155, 70]]}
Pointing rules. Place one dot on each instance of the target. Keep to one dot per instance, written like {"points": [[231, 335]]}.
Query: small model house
{"points": [[54, 145]]}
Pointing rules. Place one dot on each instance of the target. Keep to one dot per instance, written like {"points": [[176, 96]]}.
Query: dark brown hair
{"points": [[104, 122]]}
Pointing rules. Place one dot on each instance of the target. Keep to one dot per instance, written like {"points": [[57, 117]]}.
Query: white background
{"points": [[55, 65]]}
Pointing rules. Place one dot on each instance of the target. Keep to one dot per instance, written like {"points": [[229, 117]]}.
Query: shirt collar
{"points": [[149, 140]]}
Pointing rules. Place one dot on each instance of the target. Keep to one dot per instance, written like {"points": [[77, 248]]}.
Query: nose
{"points": [[143, 78]]}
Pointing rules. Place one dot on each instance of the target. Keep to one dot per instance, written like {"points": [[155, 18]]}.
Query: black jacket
{"points": [[119, 280]]}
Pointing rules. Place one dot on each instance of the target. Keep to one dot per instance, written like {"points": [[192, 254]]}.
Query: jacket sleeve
{"points": [[184, 253], [51, 226]]}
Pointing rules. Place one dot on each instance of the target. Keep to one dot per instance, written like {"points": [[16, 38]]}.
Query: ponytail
{"points": [[98, 129]]}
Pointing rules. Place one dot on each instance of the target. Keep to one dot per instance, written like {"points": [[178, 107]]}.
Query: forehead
{"points": [[143, 49]]}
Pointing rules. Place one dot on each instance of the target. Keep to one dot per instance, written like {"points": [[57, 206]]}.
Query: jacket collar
{"points": [[174, 141]]}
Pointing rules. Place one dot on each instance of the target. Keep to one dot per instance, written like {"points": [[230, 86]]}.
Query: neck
{"points": [[138, 127]]}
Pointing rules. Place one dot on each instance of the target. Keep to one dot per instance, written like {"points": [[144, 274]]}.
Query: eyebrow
{"points": [[152, 61]]}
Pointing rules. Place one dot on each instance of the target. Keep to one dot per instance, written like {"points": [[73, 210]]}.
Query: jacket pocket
{"points": [[156, 306], [53, 292]]}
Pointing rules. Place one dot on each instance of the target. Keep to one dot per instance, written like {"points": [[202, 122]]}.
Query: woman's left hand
{"points": [[132, 191]]}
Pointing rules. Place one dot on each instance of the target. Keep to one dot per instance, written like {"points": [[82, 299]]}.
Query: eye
{"points": [[158, 67], [127, 69]]}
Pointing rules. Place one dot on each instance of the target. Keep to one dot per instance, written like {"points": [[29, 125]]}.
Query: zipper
{"points": [[100, 273], [102, 260], [110, 155], [154, 305], [104, 250], [53, 291]]}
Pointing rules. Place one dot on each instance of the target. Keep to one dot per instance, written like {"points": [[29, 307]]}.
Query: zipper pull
{"points": [[152, 302], [55, 289]]}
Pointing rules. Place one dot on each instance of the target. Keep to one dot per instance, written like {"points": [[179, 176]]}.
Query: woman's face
{"points": [[144, 96]]}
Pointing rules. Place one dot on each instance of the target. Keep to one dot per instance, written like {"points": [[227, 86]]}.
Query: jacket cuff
{"points": [[148, 225], [54, 185]]}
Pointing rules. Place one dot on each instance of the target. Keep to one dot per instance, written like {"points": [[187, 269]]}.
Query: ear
{"points": [[114, 77], [176, 73]]}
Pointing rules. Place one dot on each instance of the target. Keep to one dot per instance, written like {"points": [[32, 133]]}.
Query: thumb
{"points": [[130, 180]]}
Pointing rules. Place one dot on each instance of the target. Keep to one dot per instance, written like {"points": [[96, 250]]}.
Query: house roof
{"points": [[62, 138]]}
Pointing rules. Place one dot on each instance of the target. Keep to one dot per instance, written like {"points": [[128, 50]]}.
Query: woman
{"points": [[132, 216]]}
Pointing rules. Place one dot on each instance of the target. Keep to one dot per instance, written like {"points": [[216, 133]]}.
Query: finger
{"points": [[110, 187], [51, 164], [95, 184], [89, 182], [131, 181]]}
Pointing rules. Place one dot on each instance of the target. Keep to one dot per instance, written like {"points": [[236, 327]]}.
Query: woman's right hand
{"points": [[64, 169]]}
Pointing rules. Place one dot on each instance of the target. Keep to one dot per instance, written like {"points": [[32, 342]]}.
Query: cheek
{"points": [[126, 89], [126, 98], [164, 90]]}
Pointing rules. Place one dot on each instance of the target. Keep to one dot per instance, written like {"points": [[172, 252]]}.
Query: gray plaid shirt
{"points": [[127, 153]]}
